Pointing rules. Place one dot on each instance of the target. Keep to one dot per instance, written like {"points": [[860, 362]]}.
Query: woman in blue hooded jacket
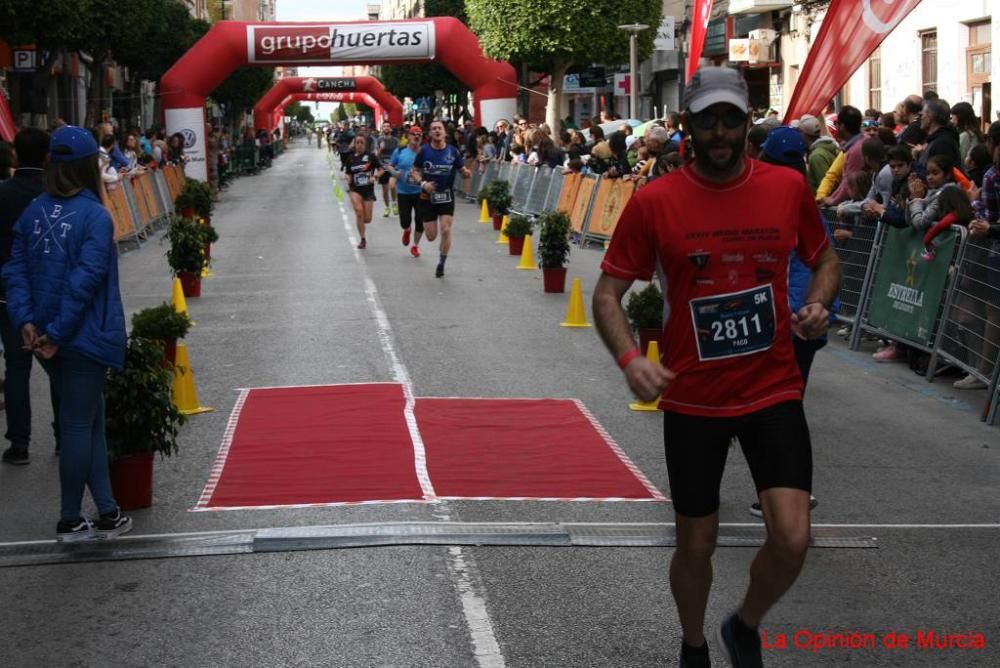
{"points": [[62, 295]]}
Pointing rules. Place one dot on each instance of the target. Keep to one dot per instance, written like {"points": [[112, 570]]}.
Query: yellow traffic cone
{"points": [[502, 237], [484, 213], [653, 355], [527, 256], [184, 391], [177, 298], [576, 316]]}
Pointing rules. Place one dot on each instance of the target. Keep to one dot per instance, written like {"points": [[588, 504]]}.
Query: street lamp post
{"points": [[633, 30]]}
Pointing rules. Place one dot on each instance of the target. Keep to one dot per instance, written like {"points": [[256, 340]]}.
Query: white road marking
{"points": [[461, 567]]}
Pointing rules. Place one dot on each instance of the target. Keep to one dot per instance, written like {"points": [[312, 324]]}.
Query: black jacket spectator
{"points": [[16, 194], [944, 140]]}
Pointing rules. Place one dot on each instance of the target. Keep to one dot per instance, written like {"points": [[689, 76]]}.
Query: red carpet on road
{"points": [[521, 448], [345, 444], [316, 445]]}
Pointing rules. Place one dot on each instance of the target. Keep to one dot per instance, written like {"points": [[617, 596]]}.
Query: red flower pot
{"points": [[190, 283], [132, 481], [208, 251], [187, 212], [497, 221], [169, 353], [516, 245], [554, 279]]}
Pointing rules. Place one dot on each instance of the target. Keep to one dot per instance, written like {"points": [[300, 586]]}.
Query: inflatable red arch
{"points": [[229, 45], [276, 113], [385, 101]]}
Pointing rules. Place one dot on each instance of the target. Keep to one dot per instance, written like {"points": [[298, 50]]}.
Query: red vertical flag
{"points": [[699, 27], [851, 31], [7, 126]]}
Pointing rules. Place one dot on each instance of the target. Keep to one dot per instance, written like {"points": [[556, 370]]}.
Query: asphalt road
{"points": [[291, 304]]}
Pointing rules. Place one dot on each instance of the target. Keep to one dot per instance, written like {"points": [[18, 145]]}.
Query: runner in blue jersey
{"points": [[408, 187], [438, 163]]}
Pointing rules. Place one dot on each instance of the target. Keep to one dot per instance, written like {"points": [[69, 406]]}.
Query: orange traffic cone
{"points": [[653, 355], [576, 315], [527, 256], [185, 393], [484, 213]]}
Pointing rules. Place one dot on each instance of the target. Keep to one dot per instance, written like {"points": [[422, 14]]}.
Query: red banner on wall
{"points": [[7, 126], [851, 31], [699, 28]]}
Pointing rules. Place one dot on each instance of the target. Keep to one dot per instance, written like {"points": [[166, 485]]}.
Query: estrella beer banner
{"points": [[361, 42], [851, 31], [907, 292], [699, 28]]}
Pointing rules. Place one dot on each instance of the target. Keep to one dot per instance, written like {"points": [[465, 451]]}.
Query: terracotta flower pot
{"points": [[516, 245], [554, 279], [132, 481], [169, 353], [190, 283]]}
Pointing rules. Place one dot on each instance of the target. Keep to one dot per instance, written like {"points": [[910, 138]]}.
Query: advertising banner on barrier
{"points": [[908, 290]]}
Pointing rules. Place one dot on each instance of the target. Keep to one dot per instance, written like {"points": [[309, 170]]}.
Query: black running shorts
{"points": [[385, 177], [367, 192], [775, 443], [429, 213]]}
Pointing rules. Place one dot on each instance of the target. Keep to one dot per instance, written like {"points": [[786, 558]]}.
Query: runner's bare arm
{"points": [[645, 379], [814, 316]]}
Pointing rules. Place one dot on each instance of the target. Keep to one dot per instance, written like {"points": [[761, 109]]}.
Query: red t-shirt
{"points": [[723, 250]]}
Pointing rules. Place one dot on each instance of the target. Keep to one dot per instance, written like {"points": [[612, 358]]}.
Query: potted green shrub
{"points": [[498, 199], [186, 256], [553, 249], [194, 199], [140, 421], [162, 323], [518, 227], [645, 313]]}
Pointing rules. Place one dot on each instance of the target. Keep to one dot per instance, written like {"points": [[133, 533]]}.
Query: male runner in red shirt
{"points": [[720, 232]]}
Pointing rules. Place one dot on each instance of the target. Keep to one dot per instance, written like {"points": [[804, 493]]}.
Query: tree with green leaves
{"points": [[299, 112], [553, 37], [415, 81], [147, 36], [242, 90]]}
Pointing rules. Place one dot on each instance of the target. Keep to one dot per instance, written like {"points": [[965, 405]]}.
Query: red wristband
{"points": [[628, 356]]}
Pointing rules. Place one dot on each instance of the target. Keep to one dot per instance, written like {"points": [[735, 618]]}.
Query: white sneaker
{"points": [[970, 382]]}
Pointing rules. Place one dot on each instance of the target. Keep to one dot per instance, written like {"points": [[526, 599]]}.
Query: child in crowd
{"points": [[978, 163], [941, 196], [892, 211]]}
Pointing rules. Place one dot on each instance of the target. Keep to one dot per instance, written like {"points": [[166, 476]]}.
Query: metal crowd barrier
{"points": [[524, 176], [854, 254], [535, 202], [552, 195], [969, 337]]}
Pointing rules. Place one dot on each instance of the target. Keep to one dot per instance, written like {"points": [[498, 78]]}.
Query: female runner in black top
{"points": [[362, 172]]}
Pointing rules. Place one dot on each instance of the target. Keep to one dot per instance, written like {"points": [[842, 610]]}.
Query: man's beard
{"points": [[714, 166]]}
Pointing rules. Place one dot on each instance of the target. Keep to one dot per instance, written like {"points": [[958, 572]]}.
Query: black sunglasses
{"points": [[731, 119]]}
